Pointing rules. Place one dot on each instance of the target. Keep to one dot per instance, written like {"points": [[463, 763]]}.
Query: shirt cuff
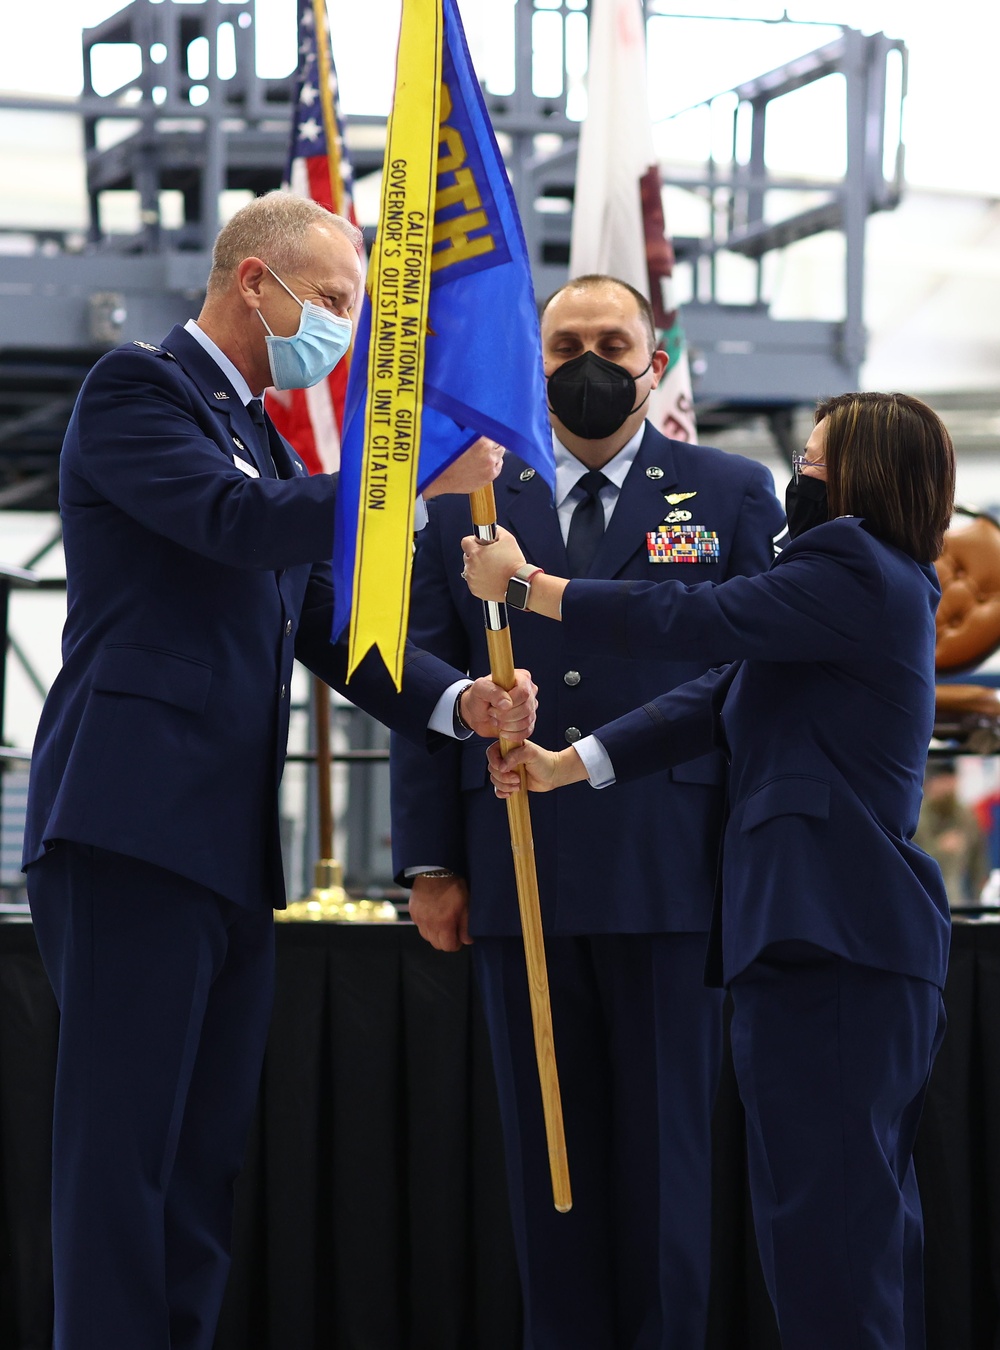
{"points": [[596, 761], [443, 718], [420, 515]]}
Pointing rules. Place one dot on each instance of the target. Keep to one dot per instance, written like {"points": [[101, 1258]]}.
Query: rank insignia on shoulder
{"points": [[675, 498], [219, 393], [687, 544], [146, 346]]}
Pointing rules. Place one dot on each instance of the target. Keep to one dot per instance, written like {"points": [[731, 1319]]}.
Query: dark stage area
{"points": [[371, 1214]]}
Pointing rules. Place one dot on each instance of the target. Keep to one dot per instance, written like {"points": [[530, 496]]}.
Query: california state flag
{"points": [[618, 225]]}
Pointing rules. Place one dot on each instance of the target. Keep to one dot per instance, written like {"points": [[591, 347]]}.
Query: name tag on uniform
{"points": [[688, 544], [248, 469]]}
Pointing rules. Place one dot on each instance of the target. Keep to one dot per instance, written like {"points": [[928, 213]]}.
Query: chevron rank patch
{"points": [[682, 544]]}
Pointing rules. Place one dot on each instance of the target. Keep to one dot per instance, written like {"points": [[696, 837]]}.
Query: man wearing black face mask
{"points": [[626, 885]]}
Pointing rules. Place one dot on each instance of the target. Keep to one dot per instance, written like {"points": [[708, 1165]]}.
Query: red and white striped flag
{"points": [[318, 167], [618, 224]]}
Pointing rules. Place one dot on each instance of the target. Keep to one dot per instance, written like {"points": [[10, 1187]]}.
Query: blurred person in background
{"points": [[949, 831]]}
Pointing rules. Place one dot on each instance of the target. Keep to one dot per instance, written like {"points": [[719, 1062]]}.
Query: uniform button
{"points": [[572, 677], [573, 734], [284, 690], [288, 628]]}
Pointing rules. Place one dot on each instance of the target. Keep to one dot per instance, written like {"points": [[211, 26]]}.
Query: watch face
{"points": [[517, 593]]}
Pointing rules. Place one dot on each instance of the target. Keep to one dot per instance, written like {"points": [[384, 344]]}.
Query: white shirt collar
{"points": [[221, 360], [569, 469]]}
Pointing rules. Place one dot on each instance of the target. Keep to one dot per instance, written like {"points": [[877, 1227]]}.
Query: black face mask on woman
{"points": [[805, 504], [593, 397]]}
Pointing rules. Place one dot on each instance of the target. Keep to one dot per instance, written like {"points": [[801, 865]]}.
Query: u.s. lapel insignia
{"points": [[238, 443], [219, 393], [527, 475], [675, 498], [654, 471]]}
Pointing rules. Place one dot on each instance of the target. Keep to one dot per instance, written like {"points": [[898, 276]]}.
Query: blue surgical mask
{"points": [[308, 356]]}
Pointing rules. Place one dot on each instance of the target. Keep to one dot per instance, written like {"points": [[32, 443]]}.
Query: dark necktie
{"points": [[256, 410], [586, 528]]}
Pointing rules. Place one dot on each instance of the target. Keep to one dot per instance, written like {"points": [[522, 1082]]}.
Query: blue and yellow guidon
{"points": [[692, 544], [426, 379], [468, 232]]}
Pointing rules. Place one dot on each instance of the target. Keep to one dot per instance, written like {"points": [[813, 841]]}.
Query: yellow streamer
{"points": [[400, 279]]}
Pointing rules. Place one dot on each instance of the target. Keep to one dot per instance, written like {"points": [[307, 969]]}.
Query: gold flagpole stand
{"points": [[484, 519]]}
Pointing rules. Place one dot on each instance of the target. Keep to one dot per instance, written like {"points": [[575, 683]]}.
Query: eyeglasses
{"points": [[800, 462]]}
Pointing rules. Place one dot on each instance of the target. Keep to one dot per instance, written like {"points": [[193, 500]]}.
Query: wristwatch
{"points": [[519, 586]]}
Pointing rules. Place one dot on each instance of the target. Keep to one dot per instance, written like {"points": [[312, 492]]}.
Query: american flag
{"points": [[312, 418]]}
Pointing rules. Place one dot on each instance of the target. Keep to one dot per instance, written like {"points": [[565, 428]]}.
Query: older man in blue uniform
{"points": [[626, 885], [196, 550]]}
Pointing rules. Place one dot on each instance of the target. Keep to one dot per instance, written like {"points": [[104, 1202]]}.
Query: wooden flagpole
{"points": [[328, 872], [484, 519]]}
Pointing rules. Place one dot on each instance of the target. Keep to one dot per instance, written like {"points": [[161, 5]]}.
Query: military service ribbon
{"points": [[399, 291]]}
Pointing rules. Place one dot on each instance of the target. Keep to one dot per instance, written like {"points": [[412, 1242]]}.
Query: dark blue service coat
{"points": [[191, 587], [641, 859], [826, 721]]}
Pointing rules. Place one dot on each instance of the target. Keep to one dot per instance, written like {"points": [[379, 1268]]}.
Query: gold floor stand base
{"points": [[328, 902]]}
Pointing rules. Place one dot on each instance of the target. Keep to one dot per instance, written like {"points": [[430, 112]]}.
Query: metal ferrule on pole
{"points": [[495, 615]]}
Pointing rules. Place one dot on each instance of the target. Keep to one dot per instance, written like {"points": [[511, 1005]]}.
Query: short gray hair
{"points": [[274, 228]]}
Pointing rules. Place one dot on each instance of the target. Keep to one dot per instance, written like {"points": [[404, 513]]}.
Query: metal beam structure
{"points": [[199, 132], [196, 120]]}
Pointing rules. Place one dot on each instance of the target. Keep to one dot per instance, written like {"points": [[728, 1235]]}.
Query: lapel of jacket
{"points": [[640, 506], [238, 435], [525, 507], [286, 462]]}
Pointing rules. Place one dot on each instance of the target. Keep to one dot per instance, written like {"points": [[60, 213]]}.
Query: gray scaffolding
{"points": [[199, 133], [197, 136]]}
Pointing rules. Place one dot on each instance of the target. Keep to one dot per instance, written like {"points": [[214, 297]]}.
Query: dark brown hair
{"points": [[592, 280], [890, 459]]}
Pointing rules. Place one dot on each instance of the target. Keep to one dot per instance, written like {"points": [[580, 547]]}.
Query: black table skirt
{"points": [[371, 1214]]}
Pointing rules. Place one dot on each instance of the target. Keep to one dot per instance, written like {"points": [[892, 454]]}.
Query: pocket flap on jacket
{"points": [[150, 673], [787, 797]]}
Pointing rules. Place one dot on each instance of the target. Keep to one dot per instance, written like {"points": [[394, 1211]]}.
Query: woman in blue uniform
{"points": [[831, 927]]}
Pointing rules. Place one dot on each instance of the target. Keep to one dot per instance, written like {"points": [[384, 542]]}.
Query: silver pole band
{"points": [[486, 534], [495, 615]]}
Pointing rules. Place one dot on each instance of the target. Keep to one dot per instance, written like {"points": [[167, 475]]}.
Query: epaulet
{"points": [[156, 351]]}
